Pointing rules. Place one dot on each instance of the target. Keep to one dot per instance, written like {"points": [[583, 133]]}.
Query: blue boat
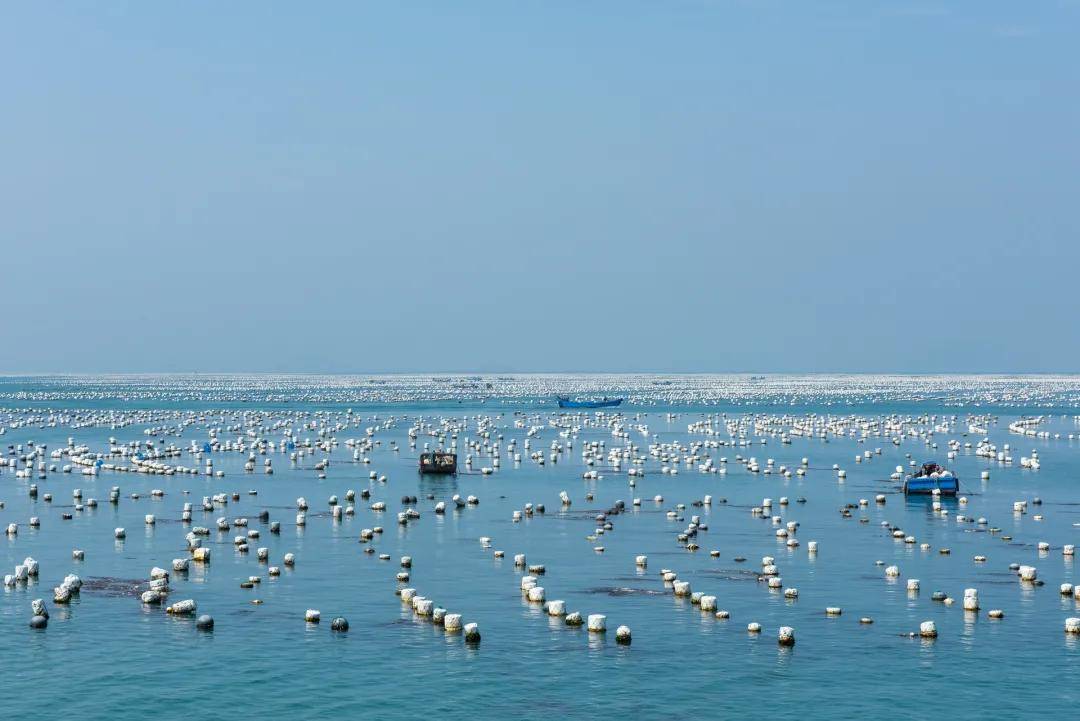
{"points": [[932, 477], [565, 402]]}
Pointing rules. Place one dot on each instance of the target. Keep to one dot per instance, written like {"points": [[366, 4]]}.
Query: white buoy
{"points": [[597, 623], [181, 608], [38, 608], [786, 636]]}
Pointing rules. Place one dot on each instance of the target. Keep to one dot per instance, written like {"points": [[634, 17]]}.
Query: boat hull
{"points": [[921, 485], [567, 403], [438, 471]]}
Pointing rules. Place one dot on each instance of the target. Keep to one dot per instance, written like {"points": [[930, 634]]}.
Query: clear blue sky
{"points": [[690, 185]]}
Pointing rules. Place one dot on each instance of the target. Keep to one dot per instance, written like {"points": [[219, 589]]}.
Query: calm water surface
{"points": [[106, 655]]}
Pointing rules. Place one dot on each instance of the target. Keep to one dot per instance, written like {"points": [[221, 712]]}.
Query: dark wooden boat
{"points": [[438, 462]]}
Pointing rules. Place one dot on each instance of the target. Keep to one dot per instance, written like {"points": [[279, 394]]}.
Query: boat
{"points": [[930, 478], [438, 462], [566, 402]]}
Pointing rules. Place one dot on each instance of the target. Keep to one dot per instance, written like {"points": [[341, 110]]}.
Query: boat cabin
{"points": [[438, 462]]}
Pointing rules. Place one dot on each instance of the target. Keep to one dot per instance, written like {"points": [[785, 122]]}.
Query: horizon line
{"points": [[910, 374]]}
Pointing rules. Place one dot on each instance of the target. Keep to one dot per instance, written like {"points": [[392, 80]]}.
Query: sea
{"points": [[826, 449]]}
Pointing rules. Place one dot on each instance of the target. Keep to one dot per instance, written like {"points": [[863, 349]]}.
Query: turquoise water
{"points": [[108, 655]]}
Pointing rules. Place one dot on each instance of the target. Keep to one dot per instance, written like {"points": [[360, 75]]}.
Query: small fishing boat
{"points": [[565, 402], [438, 462], [932, 477]]}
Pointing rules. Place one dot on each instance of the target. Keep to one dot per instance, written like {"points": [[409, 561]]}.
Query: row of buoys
{"points": [[426, 609], [534, 593], [769, 464]]}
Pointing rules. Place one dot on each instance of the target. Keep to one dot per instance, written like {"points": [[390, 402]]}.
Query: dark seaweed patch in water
{"points": [[582, 515], [112, 587], [731, 574], [1011, 581], [623, 591], [244, 611]]}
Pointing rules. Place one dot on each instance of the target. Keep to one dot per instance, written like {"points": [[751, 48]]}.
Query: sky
{"points": [[525, 186]]}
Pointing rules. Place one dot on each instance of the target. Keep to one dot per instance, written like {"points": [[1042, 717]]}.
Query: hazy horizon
{"points": [[569, 373]]}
